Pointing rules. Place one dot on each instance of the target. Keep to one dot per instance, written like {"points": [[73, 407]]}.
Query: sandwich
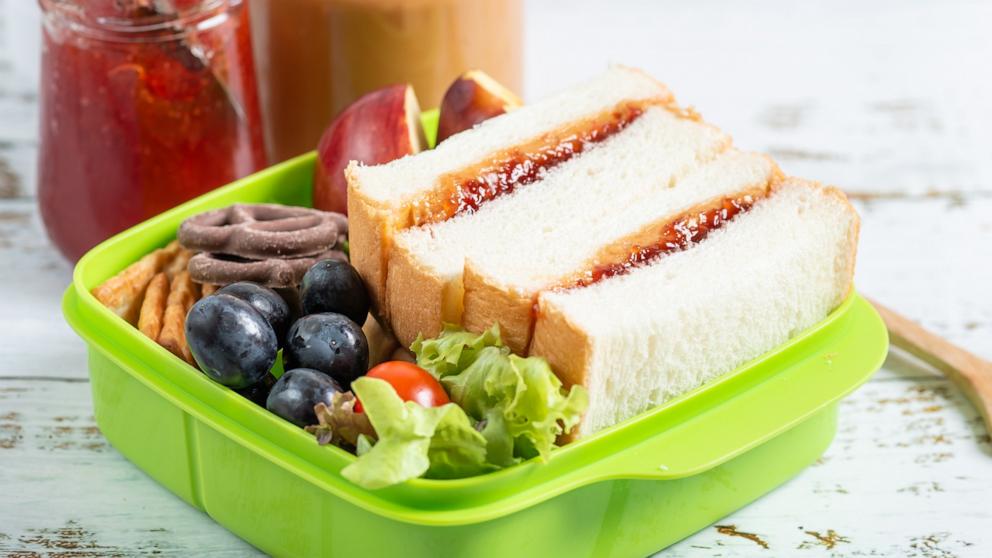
{"points": [[503, 155], [423, 215], [611, 232], [651, 332]]}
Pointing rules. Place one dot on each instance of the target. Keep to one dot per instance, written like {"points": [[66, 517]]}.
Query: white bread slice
{"points": [[639, 339], [643, 162], [380, 197], [501, 286]]}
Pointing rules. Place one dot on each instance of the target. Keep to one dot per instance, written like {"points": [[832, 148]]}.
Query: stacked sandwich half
{"points": [[609, 231]]}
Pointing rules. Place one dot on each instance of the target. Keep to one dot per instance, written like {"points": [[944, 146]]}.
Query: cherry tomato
{"points": [[411, 382]]}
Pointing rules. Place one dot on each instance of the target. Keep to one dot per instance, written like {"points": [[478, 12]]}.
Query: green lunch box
{"points": [[629, 490]]}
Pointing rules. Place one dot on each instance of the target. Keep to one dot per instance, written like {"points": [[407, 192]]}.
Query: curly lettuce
{"points": [[518, 402]]}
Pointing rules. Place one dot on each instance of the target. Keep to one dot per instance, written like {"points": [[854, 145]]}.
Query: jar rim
{"points": [[125, 29]]}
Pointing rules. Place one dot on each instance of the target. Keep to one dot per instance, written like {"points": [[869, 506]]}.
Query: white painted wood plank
{"points": [[890, 95], [20, 52], [18, 169], [20, 44], [19, 61], [18, 115], [71, 493], [34, 339], [931, 259]]}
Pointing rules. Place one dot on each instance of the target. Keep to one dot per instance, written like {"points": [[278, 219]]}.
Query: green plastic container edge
{"points": [[852, 338]]}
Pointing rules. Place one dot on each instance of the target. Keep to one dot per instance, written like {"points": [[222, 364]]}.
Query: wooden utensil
{"points": [[972, 374]]}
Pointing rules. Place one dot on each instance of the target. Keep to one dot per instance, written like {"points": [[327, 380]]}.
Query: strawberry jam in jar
{"points": [[144, 104]]}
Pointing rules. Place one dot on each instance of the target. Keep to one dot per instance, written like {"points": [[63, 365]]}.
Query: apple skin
{"points": [[471, 99], [379, 127]]}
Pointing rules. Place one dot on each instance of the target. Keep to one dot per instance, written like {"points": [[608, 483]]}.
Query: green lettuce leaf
{"points": [[539, 411], [457, 449], [519, 402], [454, 350], [412, 440]]}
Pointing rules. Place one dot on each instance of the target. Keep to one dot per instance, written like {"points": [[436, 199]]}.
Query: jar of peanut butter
{"points": [[314, 57]]}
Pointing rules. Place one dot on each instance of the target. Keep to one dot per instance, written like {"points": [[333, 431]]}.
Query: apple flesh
{"points": [[377, 128], [471, 99]]}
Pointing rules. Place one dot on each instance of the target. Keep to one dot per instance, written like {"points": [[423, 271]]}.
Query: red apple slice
{"points": [[471, 99], [377, 128]]}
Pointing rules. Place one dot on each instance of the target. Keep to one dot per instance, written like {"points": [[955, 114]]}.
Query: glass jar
{"points": [[317, 56], [144, 104]]}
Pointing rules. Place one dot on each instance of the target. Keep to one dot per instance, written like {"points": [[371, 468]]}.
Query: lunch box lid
{"points": [[682, 437]]}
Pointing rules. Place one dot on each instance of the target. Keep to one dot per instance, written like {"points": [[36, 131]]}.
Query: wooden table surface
{"points": [[890, 100]]}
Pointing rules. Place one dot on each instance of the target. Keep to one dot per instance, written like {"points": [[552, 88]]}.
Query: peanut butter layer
{"points": [[464, 191]]}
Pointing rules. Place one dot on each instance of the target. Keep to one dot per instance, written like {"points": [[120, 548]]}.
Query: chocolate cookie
{"points": [[222, 269], [264, 231]]}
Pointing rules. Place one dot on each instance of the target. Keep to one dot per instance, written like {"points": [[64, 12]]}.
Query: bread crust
{"points": [[419, 301], [486, 302], [854, 232], [567, 348], [565, 345], [369, 237]]}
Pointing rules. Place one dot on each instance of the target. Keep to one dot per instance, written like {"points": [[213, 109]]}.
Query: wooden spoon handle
{"points": [[972, 374]]}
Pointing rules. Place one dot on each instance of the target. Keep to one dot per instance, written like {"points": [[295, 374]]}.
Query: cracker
{"points": [[124, 292], [153, 307], [179, 263], [182, 294]]}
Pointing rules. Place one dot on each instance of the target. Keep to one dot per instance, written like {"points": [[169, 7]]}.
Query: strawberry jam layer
{"points": [[676, 236], [466, 190]]}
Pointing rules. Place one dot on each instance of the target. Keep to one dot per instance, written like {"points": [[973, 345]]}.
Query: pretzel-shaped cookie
{"points": [[218, 269], [264, 231]]}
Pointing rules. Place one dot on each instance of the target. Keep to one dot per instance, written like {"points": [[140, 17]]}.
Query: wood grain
{"points": [[887, 99]]}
